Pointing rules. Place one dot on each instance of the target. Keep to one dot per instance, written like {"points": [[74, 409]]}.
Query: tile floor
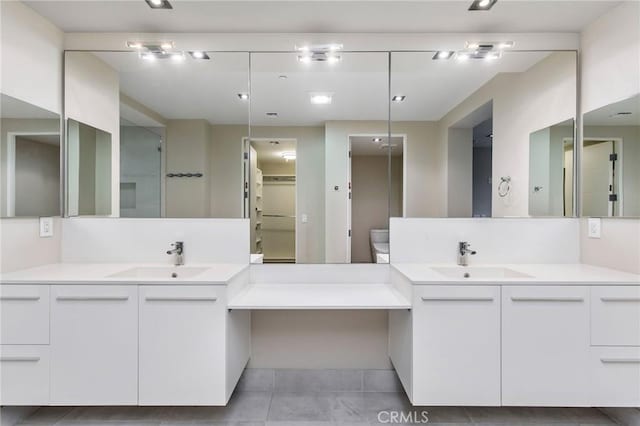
{"points": [[278, 408]]}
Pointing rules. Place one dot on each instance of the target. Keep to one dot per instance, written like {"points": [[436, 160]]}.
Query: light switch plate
{"points": [[305, 218], [46, 227], [594, 223]]}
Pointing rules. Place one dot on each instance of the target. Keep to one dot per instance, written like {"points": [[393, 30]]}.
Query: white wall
{"points": [[21, 246], [92, 96], [496, 240], [105, 240], [610, 65], [31, 49]]}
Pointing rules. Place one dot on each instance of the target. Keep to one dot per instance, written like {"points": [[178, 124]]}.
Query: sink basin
{"points": [[479, 272], [160, 272]]}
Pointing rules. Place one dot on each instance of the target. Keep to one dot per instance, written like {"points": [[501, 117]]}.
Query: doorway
{"points": [[374, 197], [272, 200], [602, 177]]}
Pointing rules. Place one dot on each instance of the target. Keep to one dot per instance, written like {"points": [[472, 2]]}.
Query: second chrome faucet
{"points": [[464, 250], [178, 250]]}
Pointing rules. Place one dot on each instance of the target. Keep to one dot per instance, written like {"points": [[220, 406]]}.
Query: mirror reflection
{"points": [[89, 170], [30, 152], [468, 116], [319, 157], [178, 121], [610, 159], [551, 156]]}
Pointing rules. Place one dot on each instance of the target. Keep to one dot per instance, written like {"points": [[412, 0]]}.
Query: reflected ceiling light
{"points": [[288, 155], [159, 4], [377, 140], [490, 45], [443, 54], [305, 59], [166, 45], [506, 45], [177, 56], [398, 98], [199, 54], [482, 4], [282, 77], [243, 96], [153, 46], [492, 55], [330, 58], [315, 48], [320, 98], [134, 45]]}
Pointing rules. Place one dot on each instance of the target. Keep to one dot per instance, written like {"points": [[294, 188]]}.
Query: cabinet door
{"points": [[545, 345], [456, 358], [615, 316], [94, 345], [182, 345], [616, 376]]}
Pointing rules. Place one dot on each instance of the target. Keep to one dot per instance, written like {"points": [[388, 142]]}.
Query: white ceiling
{"points": [[358, 84], [270, 152], [15, 108], [45, 139], [365, 145], [338, 16], [605, 116]]}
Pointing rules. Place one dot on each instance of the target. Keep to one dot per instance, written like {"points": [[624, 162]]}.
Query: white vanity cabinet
{"points": [[456, 345], [545, 346], [94, 345], [182, 345]]}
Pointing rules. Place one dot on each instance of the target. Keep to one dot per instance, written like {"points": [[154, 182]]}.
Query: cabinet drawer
{"points": [[615, 316], [25, 375], [616, 376], [24, 311]]}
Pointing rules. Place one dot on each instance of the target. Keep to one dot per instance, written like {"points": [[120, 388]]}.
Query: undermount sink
{"points": [[161, 272], [480, 272]]}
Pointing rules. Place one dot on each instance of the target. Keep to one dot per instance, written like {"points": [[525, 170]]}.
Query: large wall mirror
{"points": [[611, 160], [30, 166], [472, 126], [176, 120], [319, 157]]}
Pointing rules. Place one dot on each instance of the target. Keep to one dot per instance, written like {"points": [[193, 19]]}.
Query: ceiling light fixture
{"points": [[282, 77], [319, 53], [243, 96], [272, 114], [134, 45], [199, 54], [177, 56], [377, 140], [148, 56], [320, 98], [482, 4], [398, 98], [490, 45], [166, 45], [288, 155], [159, 4], [443, 54]]}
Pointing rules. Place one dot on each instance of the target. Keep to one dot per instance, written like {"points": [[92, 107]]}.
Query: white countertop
{"points": [[540, 274], [99, 273], [319, 296]]}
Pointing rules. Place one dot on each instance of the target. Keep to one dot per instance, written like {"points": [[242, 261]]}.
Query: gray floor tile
{"points": [[48, 415], [381, 381], [246, 406], [347, 407], [256, 379], [445, 415], [537, 415], [311, 407], [290, 380], [141, 415], [377, 402]]}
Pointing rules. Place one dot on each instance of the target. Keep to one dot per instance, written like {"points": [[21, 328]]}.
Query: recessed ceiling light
{"points": [[272, 114], [288, 155], [320, 98], [482, 4], [506, 45], [305, 59], [177, 56], [159, 4], [492, 55], [315, 48], [398, 98], [148, 56], [490, 45], [377, 140], [462, 56], [199, 54], [243, 96], [274, 142], [443, 54]]}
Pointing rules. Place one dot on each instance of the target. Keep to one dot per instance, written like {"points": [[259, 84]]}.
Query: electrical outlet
{"points": [[46, 227], [594, 224]]}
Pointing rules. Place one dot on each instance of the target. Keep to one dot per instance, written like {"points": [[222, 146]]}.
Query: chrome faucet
{"points": [[179, 252], [463, 253]]}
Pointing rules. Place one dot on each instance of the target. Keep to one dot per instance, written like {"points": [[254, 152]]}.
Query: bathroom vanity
{"points": [[511, 335], [110, 334], [518, 335]]}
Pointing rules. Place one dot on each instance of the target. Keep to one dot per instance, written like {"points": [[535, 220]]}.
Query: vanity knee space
{"points": [[523, 345]]}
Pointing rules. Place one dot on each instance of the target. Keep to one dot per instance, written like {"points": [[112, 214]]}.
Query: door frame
{"points": [[618, 145]]}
